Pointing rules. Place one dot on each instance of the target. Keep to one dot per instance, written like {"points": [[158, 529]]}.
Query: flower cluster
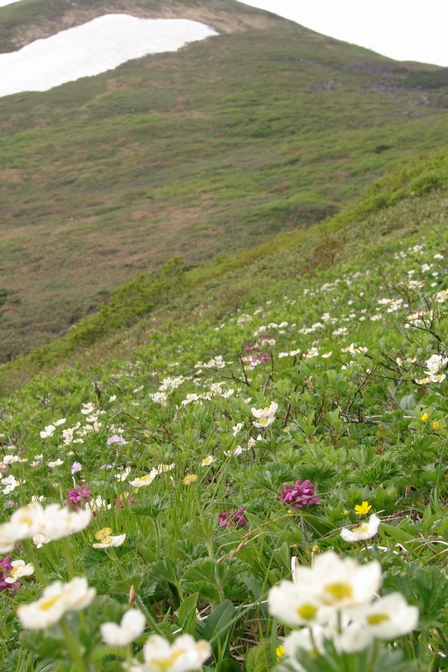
{"points": [[299, 495], [335, 600], [41, 525], [78, 497], [229, 518]]}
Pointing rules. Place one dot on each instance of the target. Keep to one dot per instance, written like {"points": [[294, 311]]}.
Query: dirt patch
{"points": [[14, 175]]}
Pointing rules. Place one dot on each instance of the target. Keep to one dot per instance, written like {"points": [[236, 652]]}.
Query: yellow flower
{"points": [[362, 509], [435, 426], [191, 478], [279, 652], [424, 417]]}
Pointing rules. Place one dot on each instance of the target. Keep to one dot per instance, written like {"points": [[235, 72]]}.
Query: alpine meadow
{"points": [[223, 393]]}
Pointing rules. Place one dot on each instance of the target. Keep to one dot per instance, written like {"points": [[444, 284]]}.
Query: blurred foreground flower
{"points": [[230, 518], [184, 655], [335, 599], [132, 625], [53, 522], [56, 600], [299, 495]]}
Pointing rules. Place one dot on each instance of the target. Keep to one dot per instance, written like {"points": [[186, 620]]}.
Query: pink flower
{"points": [[229, 518], [6, 565], [299, 495], [78, 497]]}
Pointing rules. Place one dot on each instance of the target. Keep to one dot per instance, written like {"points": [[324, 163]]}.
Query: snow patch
{"points": [[95, 47], [3, 3]]}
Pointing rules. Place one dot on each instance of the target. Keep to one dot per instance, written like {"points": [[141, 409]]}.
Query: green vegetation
{"points": [[159, 427], [204, 152]]}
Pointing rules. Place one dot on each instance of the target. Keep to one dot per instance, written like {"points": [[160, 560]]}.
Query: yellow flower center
{"points": [[335, 592], [164, 664], [101, 534], [307, 611], [191, 478], [106, 540], [374, 619], [263, 421], [361, 529], [146, 478], [47, 604], [26, 521]]}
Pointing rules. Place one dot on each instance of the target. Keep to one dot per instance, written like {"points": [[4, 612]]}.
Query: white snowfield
{"points": [[95, 47], [3, 3]]}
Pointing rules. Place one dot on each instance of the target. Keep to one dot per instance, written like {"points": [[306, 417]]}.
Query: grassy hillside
{"points": [[267, 128], [159, 428]]}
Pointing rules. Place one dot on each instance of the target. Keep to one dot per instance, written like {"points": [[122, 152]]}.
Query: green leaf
{"points": [[408, 403], [219, 626], [187, 614]]}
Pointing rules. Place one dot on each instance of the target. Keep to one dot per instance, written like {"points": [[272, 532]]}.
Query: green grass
{"points": [[355, 416], [204, 152]]}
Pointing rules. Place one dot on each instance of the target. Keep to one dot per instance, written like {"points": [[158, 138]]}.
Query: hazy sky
{"points": [[406, 30]]}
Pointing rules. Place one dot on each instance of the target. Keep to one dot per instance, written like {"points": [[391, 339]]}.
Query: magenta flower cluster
{"points": [[229, 518], [299, 495], [6, 565], [78, 497]]}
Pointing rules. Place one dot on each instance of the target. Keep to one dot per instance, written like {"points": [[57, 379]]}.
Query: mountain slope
{"points": [[237, 430], [267, 128]]}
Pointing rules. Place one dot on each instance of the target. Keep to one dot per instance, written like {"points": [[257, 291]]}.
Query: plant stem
{"points": [[73, 647], [32, 557], [69, 558]]}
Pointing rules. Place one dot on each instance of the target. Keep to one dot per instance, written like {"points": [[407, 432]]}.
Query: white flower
{"points": [[294, 605], [10, 484], [142, 481], [207, 461], [60, 422], [387, 618], [8, 537], [48, 431], [10, 459], [51, 523], [56, 600], [132, 625], [434, 363], [56, 463], [340, 583], [237, 428], [19, 569], [265, 416], [433, 378], [122, 476], [163, 468], [107, 540], [184, 655], [363, 531]]}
